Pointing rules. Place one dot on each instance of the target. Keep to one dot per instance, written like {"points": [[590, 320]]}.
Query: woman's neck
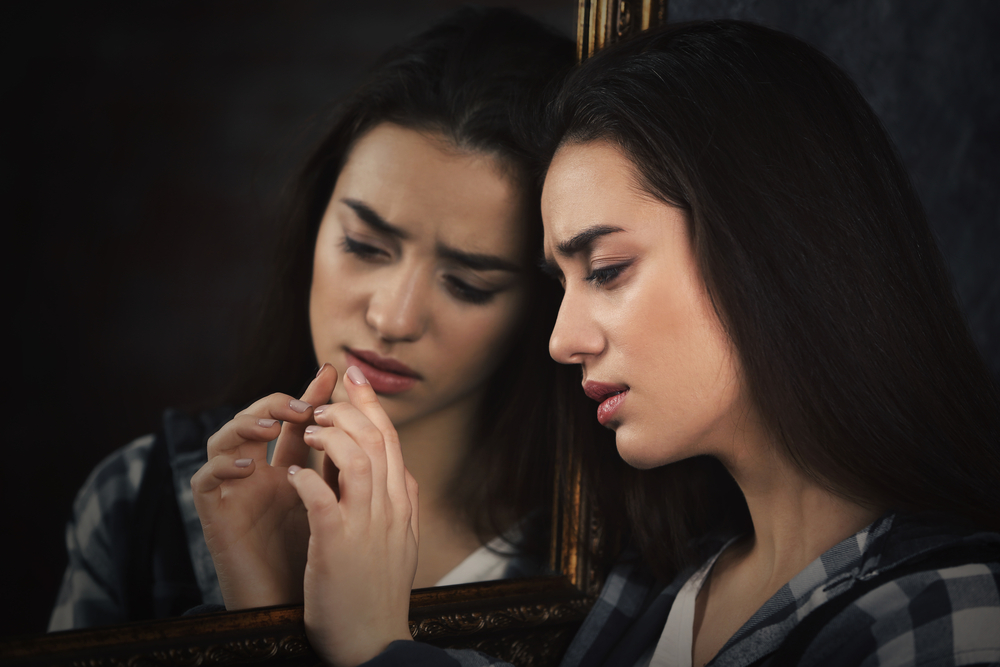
{"points": [[795, 520], [433, 447], [796, 517]]}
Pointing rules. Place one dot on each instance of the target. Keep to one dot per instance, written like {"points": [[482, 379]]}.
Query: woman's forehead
{"points": [[582, 180], [421, 183]]}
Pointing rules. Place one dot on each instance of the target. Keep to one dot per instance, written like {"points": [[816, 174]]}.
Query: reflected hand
{"points": [[363, 542], [254, 523]]}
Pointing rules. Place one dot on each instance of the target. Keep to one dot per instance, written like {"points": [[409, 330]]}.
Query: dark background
{"points": [[145, 147]]}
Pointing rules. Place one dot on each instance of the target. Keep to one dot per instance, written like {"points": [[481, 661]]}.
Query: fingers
{"points": [[320, 390], [412, 493], [258, 424], [320, 502], [355, 477], [219, 469], [364, 422], [363, 397], [331, 474], [370, 441], [290, 448], [245, 436]]}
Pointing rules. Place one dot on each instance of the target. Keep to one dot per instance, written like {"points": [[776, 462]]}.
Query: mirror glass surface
{"points": [[148, 157]]}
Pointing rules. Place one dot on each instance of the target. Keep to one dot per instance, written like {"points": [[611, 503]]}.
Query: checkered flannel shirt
{"points": [[936, 618], [97, 536]]}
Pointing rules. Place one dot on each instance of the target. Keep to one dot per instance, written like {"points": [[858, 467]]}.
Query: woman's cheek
{"points": [[485, 340]]}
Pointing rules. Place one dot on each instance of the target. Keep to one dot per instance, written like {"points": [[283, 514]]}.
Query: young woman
{"points": [[759, 309], [410, 253]]}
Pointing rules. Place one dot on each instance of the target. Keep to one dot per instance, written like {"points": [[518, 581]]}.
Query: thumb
{"points": [[291, 450]]}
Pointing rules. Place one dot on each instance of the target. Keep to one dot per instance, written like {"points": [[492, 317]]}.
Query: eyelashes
{"points": [[457, 287], [466, 292], [363, 250], [606, 274]]}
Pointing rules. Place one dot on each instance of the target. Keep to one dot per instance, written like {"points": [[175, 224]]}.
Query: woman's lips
{"points": [[386, 376], [610, 397]]}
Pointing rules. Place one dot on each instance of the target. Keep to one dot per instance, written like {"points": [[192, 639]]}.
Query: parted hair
{"points": [[479, 78], [819, 261]]}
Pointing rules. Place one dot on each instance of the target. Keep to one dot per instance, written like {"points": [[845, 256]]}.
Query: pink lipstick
{"points": [[386, 376], [610, 397]]}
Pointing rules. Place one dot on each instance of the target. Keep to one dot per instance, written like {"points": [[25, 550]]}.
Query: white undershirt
{"points": [[677, 640], [486, 563]]}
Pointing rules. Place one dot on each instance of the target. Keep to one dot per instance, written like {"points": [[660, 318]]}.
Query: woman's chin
{"points": [[643, 450], [634, 453]]}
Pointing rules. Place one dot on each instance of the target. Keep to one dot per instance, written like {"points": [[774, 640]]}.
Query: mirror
{"points": [[526, 621]]}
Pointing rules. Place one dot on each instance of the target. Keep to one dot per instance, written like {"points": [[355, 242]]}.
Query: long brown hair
{"points": [[818, 258], [479, 78]]}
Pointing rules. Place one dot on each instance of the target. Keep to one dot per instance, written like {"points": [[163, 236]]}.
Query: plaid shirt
{"points": [[940, 617], [98, 534]]}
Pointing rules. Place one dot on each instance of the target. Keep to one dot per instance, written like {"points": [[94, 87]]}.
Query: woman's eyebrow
{"points": [[583, 240], [476, 261], [473, 260], [577, 244], [374, 220]]}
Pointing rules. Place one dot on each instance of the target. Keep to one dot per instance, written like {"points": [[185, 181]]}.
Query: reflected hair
{"points": [[479, 79], [818, 258]]}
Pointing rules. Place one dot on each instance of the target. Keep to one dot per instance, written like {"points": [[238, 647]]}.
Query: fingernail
{"points": [[298, 406], [243, 463], [293, 469], [356, 376], [320, 410], [321, 369], [267, 423], [312, 428]]}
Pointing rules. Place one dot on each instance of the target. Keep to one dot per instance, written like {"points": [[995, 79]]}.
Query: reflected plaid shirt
{"points": [[106, 519], [941, 617], [97, 535]]}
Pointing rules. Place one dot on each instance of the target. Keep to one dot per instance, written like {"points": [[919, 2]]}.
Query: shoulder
{"points": [[104, 506], [113, 484], [938, 617], [96, 536], [942, 607]]}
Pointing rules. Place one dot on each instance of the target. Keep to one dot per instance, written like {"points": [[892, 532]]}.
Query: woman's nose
{"points": [[575, 336], [399, 307]]}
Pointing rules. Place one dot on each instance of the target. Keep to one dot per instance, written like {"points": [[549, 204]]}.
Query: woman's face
{"points": [[418, 274], [635, 314]]}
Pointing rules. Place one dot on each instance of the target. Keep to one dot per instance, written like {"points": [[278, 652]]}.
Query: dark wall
{"points": [[931, 70], [144, 148]]}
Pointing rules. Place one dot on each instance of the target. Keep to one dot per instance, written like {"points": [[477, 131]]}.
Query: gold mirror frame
{"points": [[523, 621], [601, 23]]}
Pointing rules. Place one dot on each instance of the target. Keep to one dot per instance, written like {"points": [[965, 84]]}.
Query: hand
{"points": [[254, 523], [363, 542]]}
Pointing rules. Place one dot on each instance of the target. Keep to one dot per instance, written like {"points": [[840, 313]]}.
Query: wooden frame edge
{"points": [[524, 621], [601, 23]]}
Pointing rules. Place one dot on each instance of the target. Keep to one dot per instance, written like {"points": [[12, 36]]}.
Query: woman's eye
{"points": [[466, 292], [604, 275], [362, 250]]}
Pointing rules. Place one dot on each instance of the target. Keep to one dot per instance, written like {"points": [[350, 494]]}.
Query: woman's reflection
{"points": [[409, 254]]}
